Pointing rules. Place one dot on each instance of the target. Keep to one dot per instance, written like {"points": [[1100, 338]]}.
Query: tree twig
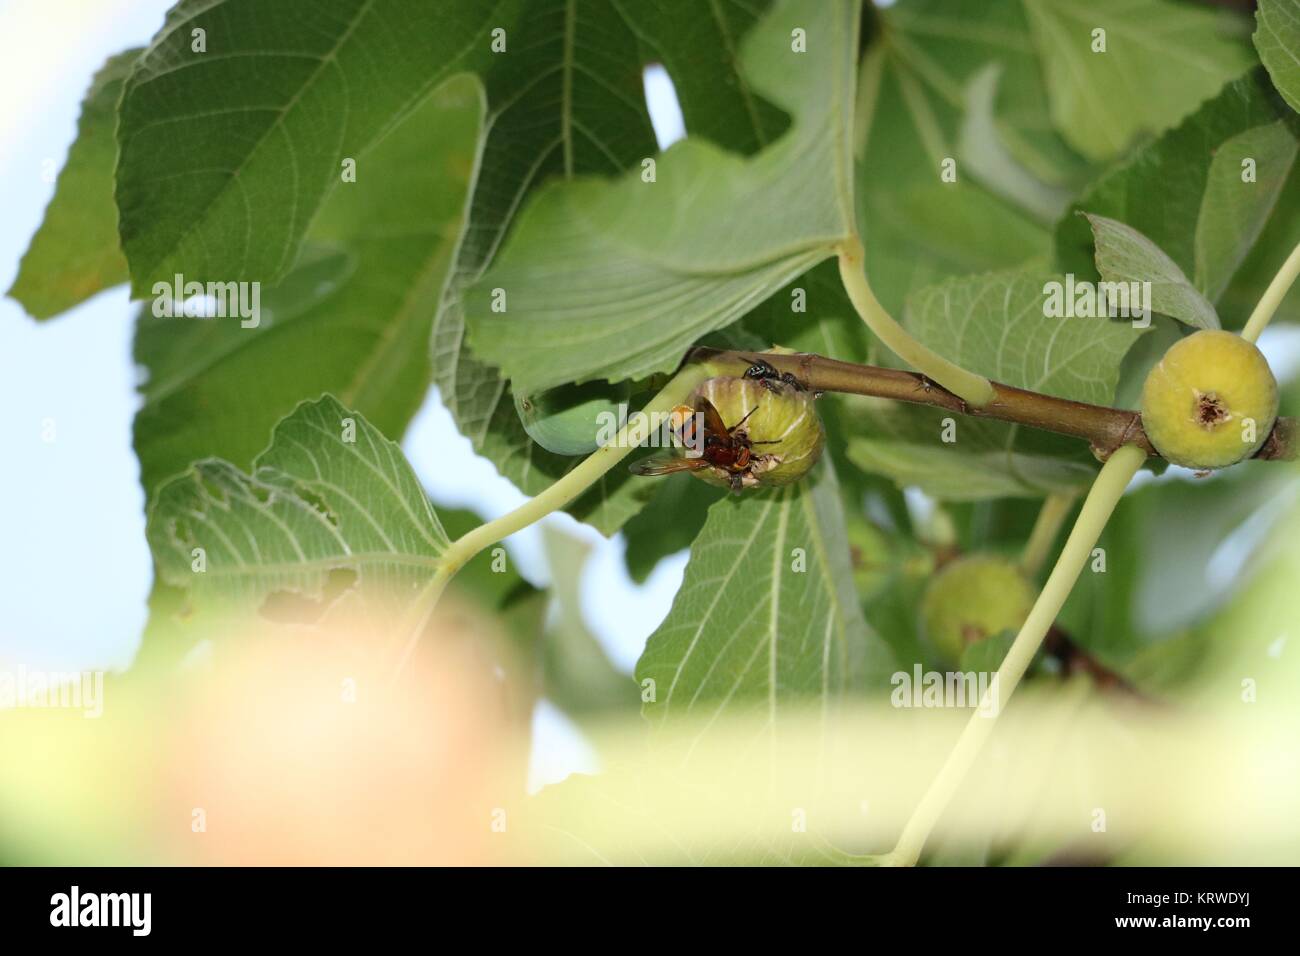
{"points": [[1104, 428]]}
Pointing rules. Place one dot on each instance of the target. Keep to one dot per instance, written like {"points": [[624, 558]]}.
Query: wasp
{"points": [[728, 449]]}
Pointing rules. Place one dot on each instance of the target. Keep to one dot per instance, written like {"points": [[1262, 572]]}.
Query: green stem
{"points": [[1047, 526], [1097, 508], [1272, 298], [975, 390], [586, 473]]}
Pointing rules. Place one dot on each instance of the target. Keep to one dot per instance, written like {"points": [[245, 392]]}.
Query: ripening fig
{"points": [[973, 598], [1210, 401], [744, 433], [568, 420], [781, 423], [778, 421]]}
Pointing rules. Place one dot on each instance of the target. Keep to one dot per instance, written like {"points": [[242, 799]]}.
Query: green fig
{"points": [[567, 420], [971, 599]]}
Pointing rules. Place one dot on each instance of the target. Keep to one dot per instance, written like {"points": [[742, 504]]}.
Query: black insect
{"points": [[772, 380]]}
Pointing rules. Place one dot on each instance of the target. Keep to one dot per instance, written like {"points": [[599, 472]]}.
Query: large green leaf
{"points": [[766, 617], [1160, 61], [983, 147], [1275, 241], [1245, 180], [75, 253], [911, 107], [946, 45], [353, 318], [1193, 174], [567, 104], [650, 538], [699, 45], [953, 80], [403, 226], [1158, 191], [331, 511], [227, 152], [1277, 38], [616, 280], [996, 325], [906, 445], [567, 100]]}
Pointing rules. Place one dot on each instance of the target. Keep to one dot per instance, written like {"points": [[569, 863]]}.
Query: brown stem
{"points": [[1104, 428]]}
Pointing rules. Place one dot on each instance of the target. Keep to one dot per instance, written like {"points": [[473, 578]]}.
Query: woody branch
{"points": [[1104, 428]]}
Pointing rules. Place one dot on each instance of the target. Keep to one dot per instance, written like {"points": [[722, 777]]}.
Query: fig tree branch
{"points": [[1104, 428]]}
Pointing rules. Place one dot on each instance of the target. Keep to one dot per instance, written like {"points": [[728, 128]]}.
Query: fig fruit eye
{"points": [[974, 598], [1211, 401]]}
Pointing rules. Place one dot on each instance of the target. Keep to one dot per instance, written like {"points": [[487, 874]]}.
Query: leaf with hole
{"points": [[329, 515]]}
